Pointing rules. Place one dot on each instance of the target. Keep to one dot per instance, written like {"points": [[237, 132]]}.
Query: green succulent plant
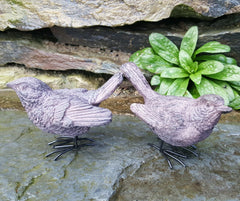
{"points": [[191, 72]]}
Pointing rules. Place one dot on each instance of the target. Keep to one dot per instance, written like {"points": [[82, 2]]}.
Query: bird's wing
{"points": [[83, 114], [159, 116], [145, 113]]}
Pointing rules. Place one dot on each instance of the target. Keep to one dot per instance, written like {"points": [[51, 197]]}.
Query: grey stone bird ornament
{"points": [[65, 112], [178, 121]]}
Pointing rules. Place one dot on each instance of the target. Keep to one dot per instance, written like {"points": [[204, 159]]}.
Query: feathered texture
{"points": [[179, 121], [66, 112]]}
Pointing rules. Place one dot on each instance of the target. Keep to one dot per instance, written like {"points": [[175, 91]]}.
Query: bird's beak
{"points": [[11, 85], [224, 109]]}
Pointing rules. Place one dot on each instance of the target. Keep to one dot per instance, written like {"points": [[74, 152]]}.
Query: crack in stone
{"points": [[25, 188], [21, 189], [65, 171], [130, 170], [23, 132]]}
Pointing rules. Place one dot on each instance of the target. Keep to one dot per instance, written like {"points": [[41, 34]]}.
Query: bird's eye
{"points": [[24, 87], [27, 90]]}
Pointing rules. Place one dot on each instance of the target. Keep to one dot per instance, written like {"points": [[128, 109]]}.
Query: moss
{"points": [[16, 2], [186, 12], [25, 188], [14, 21], [16, 6]]}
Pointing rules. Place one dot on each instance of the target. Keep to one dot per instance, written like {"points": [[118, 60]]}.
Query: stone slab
{"points": [[135, 37], [102, 49], [26, 50], [121, 166]]}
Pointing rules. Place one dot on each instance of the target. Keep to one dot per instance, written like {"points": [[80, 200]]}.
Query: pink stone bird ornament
{"points": [[178, 121], [66, 112]]}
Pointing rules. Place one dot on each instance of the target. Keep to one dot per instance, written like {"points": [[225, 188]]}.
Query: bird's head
{"points": [[208, 109], [29, 89], [212, 102]]}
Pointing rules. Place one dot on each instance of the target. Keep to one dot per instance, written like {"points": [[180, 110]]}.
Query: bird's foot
{"points": [[63, 145], [168, 153], [191, 149], [65, 140]]}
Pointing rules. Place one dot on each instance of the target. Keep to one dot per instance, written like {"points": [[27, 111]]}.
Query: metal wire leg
{"points": [[167, 153], [63, 145]]}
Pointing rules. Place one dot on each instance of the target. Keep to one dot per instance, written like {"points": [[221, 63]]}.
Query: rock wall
{"points": [[102, 49], [43, 54]]}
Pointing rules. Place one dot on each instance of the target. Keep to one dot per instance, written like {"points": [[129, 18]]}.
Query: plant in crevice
{"points": [[191, 72]]}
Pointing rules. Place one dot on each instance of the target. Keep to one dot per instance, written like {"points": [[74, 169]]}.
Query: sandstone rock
{"points": [[55, 80], [29, 15], [78, 80], [8, 74]]}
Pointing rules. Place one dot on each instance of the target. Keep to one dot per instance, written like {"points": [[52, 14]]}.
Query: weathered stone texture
{"points": [[46, 55], [103, 49], [30, 15], [132, 38], [55, 80], [121, 166]]}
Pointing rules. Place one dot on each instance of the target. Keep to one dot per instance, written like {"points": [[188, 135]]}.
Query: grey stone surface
{"points": [[30, 15], [92, 173], [120, 166], [213, 176]]}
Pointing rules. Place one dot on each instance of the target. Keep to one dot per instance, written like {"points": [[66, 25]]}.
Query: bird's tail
{"points": [[134, 74], [107, 89]]}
